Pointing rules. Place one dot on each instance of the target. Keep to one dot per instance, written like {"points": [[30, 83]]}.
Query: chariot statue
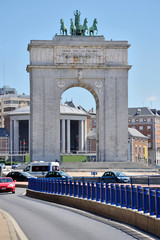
{"points": [[93, 28], [76, 28], [63, 29]]}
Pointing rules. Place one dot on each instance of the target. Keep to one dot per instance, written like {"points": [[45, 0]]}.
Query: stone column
{"points": [[81, 135], [11, 135], [63, 136], [85, 135], [29, 136], [68, 136], [16, 137]]}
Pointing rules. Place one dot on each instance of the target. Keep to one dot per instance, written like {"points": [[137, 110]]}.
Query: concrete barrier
{"points": [[144, 222]]}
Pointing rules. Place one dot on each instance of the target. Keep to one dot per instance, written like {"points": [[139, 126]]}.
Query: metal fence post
{"points": [[108, 194], [89, 190], [93, 191], [134, 197], [59, 186], [152, 201], [158, 203], [117, 195], [102, 192], [123, 195], [84, 190], [146, 199], [97, 192], [128, 196], [70, 188], [140, 198], [29, 183], [67, 188], [63, 187], [51, 185], [44, 185], [112, 194], [75, 188], [79, 189], [55, 186]]}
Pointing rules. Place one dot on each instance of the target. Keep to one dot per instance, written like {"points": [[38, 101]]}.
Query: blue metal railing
{"points": [[140, 198]]}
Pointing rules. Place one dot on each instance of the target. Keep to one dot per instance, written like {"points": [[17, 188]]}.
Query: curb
{"points": [[12, 231], [128, 216]]}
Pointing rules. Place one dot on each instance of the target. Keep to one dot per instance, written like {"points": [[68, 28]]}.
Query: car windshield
{"points": [[64, 174], [119, 174], [26, 174], [5, 180]]}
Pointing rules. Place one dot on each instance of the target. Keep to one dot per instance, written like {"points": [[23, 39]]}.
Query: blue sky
{"points": [[136, 21]]}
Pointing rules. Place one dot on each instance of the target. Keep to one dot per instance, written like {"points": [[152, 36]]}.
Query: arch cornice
{"points": [[106, 66]]}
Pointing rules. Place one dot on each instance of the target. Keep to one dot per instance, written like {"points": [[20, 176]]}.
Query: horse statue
{"points": [[63, 28], [93, 28], [84, 28], [72, 27]]}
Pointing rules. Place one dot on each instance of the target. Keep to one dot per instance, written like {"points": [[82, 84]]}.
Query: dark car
{"points": [[114, 177], [3, 165], [16, 165], [58, 175], [20, 176]]}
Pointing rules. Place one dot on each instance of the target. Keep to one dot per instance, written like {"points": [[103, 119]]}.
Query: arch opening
{"points": [[78, 132]]}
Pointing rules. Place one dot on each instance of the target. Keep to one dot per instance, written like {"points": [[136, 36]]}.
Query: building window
{"points": [[143, 151], [133, 127], [148, 128], [144, 120], [149, 136], [11, 102], [141, 128], [149, 145], [133, 120], [129, 120], [136, 150], [9, 109], [148, 120], [137, 120], [141, 120], [135, 139]]}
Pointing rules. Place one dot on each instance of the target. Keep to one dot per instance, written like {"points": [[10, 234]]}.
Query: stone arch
{"points": [[91, 62]]}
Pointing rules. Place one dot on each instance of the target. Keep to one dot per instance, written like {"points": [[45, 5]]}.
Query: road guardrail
{"points": [[129, 196]]}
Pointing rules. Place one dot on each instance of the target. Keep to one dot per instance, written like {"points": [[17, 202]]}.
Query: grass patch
{"points": [[74, 158], [27, 159]]}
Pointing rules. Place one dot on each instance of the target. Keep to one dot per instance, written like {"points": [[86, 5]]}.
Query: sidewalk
{"points": [[7, 231]]}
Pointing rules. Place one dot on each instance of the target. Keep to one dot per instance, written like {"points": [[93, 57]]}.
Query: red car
{"points": [[7, 184]]}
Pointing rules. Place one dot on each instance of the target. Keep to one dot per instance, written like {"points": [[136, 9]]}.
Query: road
{"points": [[41, 220]]}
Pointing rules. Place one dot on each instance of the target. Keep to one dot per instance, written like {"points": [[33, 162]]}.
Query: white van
{"points": [[40, 169]]}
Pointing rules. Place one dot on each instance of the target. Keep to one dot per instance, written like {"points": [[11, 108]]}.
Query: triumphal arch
{"points": [[79, 60]]}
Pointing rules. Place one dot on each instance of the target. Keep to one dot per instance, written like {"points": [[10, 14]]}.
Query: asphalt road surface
{"points": [[41, 220]]}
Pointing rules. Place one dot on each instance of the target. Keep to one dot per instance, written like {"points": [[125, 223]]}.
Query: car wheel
{"points": [[13, 192]]}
